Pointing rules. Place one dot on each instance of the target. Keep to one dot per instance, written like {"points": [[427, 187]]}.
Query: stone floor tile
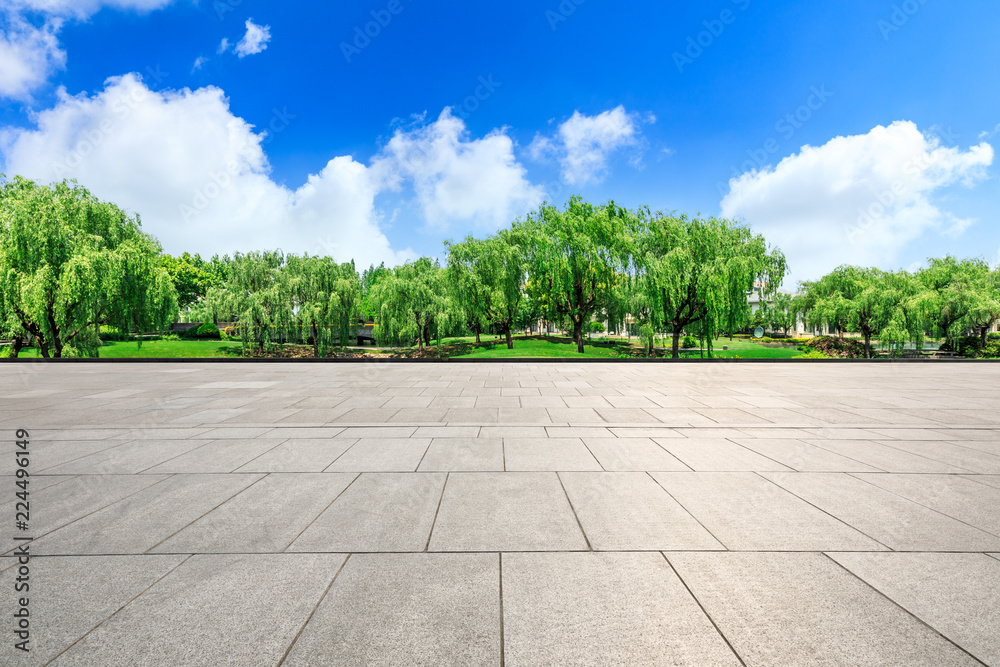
{"points": [[536, 454]]}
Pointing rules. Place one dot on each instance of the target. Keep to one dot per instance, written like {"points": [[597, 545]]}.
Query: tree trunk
{"points": [[478, 340], [675, 350], [983, 335], [15, 346], [868, 345], [315, 333], [510, 341], [578, 335]]}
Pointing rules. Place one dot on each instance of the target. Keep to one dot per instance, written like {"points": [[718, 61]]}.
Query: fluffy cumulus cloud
{"points": [[28, 55], [29, 48], [198, 175], [857, 199], [583, 143], [254, 41], [458, 178]]}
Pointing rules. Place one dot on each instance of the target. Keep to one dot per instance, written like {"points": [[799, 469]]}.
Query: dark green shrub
{"points": [[689, 342], [991, 351], [207, 331]]}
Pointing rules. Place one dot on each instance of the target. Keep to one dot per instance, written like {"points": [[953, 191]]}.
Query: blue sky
{"points": [[667, 105]]}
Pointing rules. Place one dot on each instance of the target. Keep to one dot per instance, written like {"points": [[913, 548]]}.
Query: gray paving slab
{"points": [[407, 609], [264, 518], [747, 512], [804, 609], [629, 511], [128, 458], [463, 454], [963, 499], [884, 457], [511, 511], [803, 457], [57, 505], [622, 454], [898, 523], [378, 512], [71, 595], [382, 455], [217, 456], [243, 610], [536, 454], [603, 609], [989, 480], [955, 454], [956, 594], [299, 455], [716, 454], [140, 521]]}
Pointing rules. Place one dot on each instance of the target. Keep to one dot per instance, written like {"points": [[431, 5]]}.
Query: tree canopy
{"points": [[70, 263]]}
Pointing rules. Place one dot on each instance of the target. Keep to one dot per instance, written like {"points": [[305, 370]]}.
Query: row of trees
{"points": [[948, 299], [71, 264]]}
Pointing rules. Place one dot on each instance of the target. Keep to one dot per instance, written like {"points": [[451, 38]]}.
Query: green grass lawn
{"points": [[551, 347], [162, 349], [534, 347]]}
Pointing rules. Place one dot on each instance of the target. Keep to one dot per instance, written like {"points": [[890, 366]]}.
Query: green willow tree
{"points": [[576, 260], [862, 300], [413, 304], [488, 279], [257, 294], [949, 292], [697, 273], [70, 263], [326, 299]]}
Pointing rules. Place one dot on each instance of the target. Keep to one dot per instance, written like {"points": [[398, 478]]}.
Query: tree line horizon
{"points": [[70, 264]]}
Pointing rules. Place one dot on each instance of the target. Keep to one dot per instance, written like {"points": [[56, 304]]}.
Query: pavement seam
{"points": [[703, 610], [830, 514], [115, 612], [313, 612], [437, 510], [260, 479], [751, 451], [584, 441], [267, 451], [100, 451], [888, 443], [167, 476], [430, 441], [672, 455], [917, 502], [690, 513], [321, 512], [349, 448], [901, 607], [575, 516], [503, 649]]}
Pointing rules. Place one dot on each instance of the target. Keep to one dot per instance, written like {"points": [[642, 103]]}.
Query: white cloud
{"points": [[457, 178], [198, 63], [28, 56], [198, 175], [856, 200], [31, 53], [86, 8], [584, 143], [254, 41], [223, 46]]}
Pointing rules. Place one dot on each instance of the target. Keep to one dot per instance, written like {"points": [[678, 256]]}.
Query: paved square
{"points": [[506, 513]]}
